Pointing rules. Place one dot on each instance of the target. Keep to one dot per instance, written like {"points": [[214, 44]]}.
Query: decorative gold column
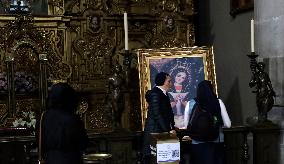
{"points": [[42, 80], [11, 84]]}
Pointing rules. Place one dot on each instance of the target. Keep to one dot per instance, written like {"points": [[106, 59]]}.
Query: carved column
{"points": [[42, 80], [11, 85], [236, 145]]}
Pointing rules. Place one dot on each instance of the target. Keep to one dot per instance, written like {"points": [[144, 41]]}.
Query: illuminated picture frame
{"points": [[195, 63]]}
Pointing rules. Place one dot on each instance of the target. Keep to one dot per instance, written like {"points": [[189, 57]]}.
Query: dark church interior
{"points": [[109, 52]]}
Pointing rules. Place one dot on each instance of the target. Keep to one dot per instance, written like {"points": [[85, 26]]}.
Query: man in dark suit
{"points": [[160, 117]]}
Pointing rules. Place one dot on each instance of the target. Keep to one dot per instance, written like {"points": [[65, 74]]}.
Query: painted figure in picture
{"points": [[185, 73], [180, 91]]}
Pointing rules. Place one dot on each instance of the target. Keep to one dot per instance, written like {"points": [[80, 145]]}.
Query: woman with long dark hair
{"points": [[208, 152], [64, 137]]}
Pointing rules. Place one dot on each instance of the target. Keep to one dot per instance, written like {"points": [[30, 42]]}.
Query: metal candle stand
{"points": [[264, 91]]}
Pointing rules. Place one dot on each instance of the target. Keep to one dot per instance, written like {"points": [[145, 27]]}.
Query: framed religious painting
{"points": [[186, 66], [239, 6]]}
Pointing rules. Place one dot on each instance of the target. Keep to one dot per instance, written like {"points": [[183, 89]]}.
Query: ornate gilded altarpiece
{"points": [[79, 42]]}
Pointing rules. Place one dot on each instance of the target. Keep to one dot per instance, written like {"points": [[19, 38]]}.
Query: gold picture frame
{"points": [[197, 63]]}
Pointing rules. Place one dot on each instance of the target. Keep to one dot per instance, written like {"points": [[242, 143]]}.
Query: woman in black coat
{"points": [[160, 117], [63, 134]]}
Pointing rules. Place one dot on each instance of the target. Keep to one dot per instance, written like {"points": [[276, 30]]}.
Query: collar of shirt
{"points": [[164, 91]]}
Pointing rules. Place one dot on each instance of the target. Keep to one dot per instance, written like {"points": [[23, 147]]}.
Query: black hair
{"points": [[176, 71], [207, 99], [62, 97], [161, 78]]}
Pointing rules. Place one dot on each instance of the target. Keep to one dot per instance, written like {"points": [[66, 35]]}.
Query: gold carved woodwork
{"points": [[25, 44], [82, 40], [24, 40], [56, 7]]}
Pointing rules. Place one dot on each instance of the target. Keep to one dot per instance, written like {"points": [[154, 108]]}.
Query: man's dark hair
{"points": [[161, 78]]}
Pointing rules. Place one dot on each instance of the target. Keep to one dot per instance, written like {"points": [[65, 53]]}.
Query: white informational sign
{"points": [[168, 152]]}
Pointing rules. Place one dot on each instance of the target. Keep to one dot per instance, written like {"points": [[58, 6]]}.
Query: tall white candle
{"points": [[252, 35], [125, 31]]}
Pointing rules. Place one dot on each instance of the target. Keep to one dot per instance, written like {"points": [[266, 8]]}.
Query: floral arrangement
{"points": [[27, 119]]}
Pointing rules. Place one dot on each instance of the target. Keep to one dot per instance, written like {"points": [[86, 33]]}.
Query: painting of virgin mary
{"points": [[185, 73]]}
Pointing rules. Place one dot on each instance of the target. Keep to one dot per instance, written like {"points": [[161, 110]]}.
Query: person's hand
{"points": [[184, 103], [179, 97], [186, 138], [173, 132]]}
